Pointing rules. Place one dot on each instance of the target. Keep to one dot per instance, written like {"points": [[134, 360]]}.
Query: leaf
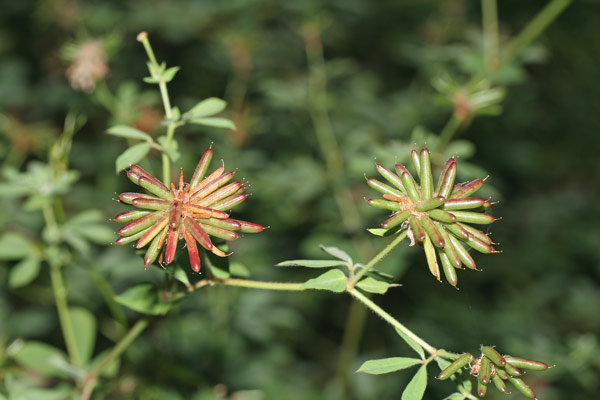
{"points": [[215, 122], [372, 285], [96, 233], [416, 387], [455, 396], [86, 217], [132, 155], [337, 253], [385, 232], [387, 365], [411, 342], [144, 298], [171, 148], [333, 280], [207, 107], [169, 74], [41, 357], [129, 133], [24, 272], [238, 269], [442, 362], [84, 328], [310, 263], [14, 246], [111, 369], [180, 274]]}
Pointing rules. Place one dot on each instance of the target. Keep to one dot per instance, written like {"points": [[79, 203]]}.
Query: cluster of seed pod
{"points": [[435, 217], [492, 367], [194, 212]]}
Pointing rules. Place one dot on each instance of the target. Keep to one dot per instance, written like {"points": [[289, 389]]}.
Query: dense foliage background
{"points": [[383, 61]]}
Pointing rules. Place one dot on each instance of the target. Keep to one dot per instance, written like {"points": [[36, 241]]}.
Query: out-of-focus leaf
{"points": [[333, 280], [372, 285], [207, 108], [239, 269], [111, 369], [387, 365], [24, 272], [310, 263], [416, 387], [40, 357], [169, 74], [144, 298], [171, 148], [132, 155], [84, 328], [337, 253], [14, 246], [129, 133], [214, 122]]}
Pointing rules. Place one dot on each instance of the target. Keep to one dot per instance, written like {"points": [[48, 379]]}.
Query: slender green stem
{"points": [[533, 29], [378, 258], [489, 11], [286, 286], [143, 37], [448, 132]]}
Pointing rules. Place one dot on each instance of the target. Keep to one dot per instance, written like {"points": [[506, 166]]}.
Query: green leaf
{"points": [[215, 122], [171, 148], [86, 217], [387, 365], [41, 357], [96, 233], [333, 280], [207, 108], [310, 263], [416, 387], [129, 133], [24, 272], [169, 74], [84, 328], [180, 275], [111, 369], [372, 285], [442, 362], [378, 231], [132, 155], [14, 246], [337, 253], [238, 269], [144, 298], [411, 342], [455, 396]]}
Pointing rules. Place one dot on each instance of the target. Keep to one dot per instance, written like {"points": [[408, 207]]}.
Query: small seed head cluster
{"points": [[193, 212], [436, 217]]}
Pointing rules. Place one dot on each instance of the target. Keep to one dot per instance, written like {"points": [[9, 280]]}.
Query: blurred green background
{"points": [[392, 70]]}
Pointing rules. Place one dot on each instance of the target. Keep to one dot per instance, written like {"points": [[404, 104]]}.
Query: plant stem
{"points": [[378, 258], [533, 29], [286, 286], [489, 11], [448, 132]]}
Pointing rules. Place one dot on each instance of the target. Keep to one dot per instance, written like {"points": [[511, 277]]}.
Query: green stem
{"points": [[286, 286], [448, 131], [378, 258], [534, 28], [489, 11]]}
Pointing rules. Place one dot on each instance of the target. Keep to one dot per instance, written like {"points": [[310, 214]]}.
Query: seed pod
{"points": [[249, 227], [175, 214], [425, 174], [446, 180], [457, 230], [151, 204], [153, 231], [449, 248], [448, 268], [499, 383], [466, 189], [465, 204], [526, 364], [204, 212], [390, 177], [455, 366], [411, 186], [522, 387], [198, 233], [432, 263], [207, 181], [201, 168], [131, 215], [514, 371], [155, 187], [171, 247], [396, 220], [385, 204], [192, 251], [493, 355], [501, 373], [441, 215], [481, 389], [218, 232], [128, 197], [475, 233], [485, 371], [414, 156], [473, 217], [133, 177], [417, 229], [128, 239], [155, 247], [430, 203], [228, 224], [383, 188], [463, 254], [431, 230], [229, 202], [220, 194], [480, 246], [215, 250], [212, 187], [140, 224]]}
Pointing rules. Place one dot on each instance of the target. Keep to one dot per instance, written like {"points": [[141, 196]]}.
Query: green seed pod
{"points": [[485, 371], [411, 187], [155, 246], [201, 168], [153, 231], [220, 194], [396, 220], [128, 197], [425, 174], [218, 232], [457, 230], [471, 217], [455, 366], [207, 181], [384, 204], [390, 177], [449, 248], [151, 204], [526, 364], [211, 187], [522, 387], [229, 202], [463, 254], [514, 371], [414, 156], [432, 263], [431, 230], [475, 233], [198, 233], [429, 204], [499, 383], [441, 215], [502, 373], [227, 224], [448, 268], [417, 229], [128, 239], [493, 355], [140, 224], [155, 187], [383, 188], [465, 204], [131, 215], [249, 227], [480, 246], [466, 189], [447, 178], [481, 389]]}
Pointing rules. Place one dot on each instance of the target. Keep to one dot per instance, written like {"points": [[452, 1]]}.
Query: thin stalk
{"points": [[533, 29], [489, 12], [448, 132], [378, 258], [286, 286]]}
